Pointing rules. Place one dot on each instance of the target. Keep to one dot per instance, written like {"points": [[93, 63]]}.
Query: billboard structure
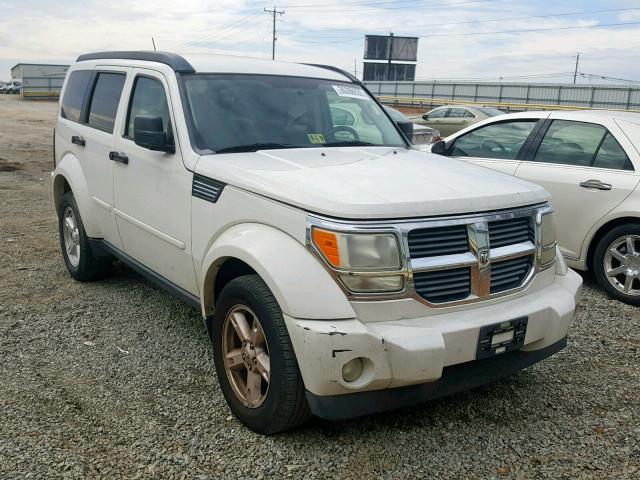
{"points": [[399, 55]]}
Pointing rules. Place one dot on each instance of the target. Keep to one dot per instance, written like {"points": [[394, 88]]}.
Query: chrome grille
{"points": [[432, 242], [509, 274], [511, 231], [443, 285]]}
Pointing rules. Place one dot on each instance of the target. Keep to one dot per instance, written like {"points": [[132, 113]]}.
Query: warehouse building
{"points": [[39, 80]]}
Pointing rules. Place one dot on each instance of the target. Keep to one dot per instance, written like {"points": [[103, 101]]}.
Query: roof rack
{"points": [[178, 63], [335, 69]]}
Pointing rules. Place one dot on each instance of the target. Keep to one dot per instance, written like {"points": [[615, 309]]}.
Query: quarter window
{"points": [[105, 100], [74, 94], [611, 155], [570, 143], [148, 98], [502, 140]]}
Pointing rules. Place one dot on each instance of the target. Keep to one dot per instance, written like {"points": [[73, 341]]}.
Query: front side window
{"points": [[499, 140], [74, 94], [250, 112], [570, 143], [105, 100], [148, 99]]}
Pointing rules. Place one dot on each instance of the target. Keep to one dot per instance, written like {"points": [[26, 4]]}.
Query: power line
{"points": [[274, 37], [469, 22]]}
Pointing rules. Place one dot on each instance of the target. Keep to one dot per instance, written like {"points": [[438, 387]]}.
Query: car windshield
{"points": [[235, 113], [491, 111]]}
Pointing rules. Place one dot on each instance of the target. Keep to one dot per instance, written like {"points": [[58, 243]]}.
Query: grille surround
{"points": [[413, 266]]}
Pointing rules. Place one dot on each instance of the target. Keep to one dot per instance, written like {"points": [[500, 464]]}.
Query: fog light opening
{"points": [[352, 370]]}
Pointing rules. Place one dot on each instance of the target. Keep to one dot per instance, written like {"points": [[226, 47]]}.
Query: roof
{"points": [[208, 63]]}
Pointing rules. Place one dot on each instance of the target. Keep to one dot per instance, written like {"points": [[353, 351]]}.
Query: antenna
{"points": [[154, 44]]}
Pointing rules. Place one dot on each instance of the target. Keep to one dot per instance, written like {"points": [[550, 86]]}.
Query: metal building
{"points": [[39, 80]]}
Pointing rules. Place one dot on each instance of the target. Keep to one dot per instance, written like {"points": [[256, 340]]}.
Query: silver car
{"points": [[450, 119]]}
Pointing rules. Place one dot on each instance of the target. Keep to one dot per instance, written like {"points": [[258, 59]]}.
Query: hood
{"points": [[371, 182]]}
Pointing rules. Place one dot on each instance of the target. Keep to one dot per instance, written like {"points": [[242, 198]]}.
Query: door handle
{"points": [[78, 141], [597, 184], [117, 157]]}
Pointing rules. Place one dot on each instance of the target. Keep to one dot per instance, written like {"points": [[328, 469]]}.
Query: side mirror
{"points": [[149, 133], [425, 117], [439, 148], [407, 129]]}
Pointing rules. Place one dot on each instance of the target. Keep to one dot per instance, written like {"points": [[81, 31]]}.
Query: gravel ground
{"points": [[115, 379]]}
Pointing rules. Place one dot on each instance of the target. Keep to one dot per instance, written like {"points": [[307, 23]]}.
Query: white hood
{"points": [[371, 182]]}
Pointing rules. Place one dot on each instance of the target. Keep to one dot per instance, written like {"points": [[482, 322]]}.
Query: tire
{"points": [[83, 265], [604, 261], [282, 404]]}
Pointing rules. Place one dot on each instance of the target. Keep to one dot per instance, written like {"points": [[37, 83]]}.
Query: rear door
{"points": [[455, 119], [587, 171], [499, 146], [90, 119]]}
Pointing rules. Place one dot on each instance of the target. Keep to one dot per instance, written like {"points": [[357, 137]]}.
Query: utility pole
{"points": [[575, 72], [355, 67], [274, 12], [390, 57]]}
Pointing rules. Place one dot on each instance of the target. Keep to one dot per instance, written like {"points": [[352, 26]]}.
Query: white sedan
{"points": [[590, 162]]}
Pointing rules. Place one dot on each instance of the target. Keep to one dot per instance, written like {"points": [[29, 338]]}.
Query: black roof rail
{"points": [[178, 63], [335, 69]]}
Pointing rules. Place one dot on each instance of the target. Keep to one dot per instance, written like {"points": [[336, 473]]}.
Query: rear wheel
{"points": [[616, 263], [76, 248], [254, 358]]}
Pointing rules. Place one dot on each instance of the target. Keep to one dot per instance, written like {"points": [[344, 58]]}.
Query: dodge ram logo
{"points": [[483, 258]]}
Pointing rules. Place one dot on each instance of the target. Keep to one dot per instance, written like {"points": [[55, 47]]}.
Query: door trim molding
{"points": [[156, 233]]}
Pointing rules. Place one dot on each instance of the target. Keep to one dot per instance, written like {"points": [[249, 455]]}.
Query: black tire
{"points": [[285, 405], [599, 262], [88, 267]]}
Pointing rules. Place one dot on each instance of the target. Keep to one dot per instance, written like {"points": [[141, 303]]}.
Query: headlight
{"points": [[358, 251], [367, 261], [547, 253]]}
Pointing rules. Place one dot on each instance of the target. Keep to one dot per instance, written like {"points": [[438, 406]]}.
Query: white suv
{"points": [[337, 276]]}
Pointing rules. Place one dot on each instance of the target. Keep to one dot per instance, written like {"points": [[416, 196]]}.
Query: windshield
{"points": [[252, 112]]}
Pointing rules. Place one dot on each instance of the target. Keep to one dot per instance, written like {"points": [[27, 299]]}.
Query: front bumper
{"points": [[435, 355]]}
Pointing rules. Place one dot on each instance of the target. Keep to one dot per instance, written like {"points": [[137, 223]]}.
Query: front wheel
{"points": [[254, 358], [616, 263]]}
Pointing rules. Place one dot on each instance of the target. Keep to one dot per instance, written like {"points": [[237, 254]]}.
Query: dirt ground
{"points": [[114, 379]]}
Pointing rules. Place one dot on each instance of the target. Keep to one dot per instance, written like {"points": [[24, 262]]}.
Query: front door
{"points": [[153, 189], [586, 171]]}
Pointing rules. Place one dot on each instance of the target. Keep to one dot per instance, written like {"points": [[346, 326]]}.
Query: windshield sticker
{"points": [[316, 138], [351, 92]]}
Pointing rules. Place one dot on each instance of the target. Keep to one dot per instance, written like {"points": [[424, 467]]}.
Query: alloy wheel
{"points": [[71, 236], [622, 264], [246, 356]]}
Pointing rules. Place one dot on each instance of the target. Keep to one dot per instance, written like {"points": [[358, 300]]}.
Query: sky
{"points": [[514, 40]]}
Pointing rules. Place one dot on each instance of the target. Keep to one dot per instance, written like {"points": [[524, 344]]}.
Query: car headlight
{"points": [[365, 261], [547, 250]]}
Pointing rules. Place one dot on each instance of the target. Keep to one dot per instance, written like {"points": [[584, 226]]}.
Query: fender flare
{"points": [[301, 285], [70, 170]]}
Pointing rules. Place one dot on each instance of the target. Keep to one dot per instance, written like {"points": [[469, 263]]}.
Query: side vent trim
{"points": [[206, 188]]}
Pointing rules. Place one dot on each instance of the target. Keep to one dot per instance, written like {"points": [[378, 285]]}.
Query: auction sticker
{"points": [[351, 92]]}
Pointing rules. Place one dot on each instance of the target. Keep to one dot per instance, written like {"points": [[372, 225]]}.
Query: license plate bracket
{"points": [[501, 337]]}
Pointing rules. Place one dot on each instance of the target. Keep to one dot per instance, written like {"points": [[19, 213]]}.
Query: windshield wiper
{"points": [[254, 147], [351, 143]]}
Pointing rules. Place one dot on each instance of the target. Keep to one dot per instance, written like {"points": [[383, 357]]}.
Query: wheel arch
{"points": [[602, 231], [302, 287]]}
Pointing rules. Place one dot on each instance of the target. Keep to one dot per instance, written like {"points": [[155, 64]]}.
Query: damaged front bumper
{"points": [[405, 362]]}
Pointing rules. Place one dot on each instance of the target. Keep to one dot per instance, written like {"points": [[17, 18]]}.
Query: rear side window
{"points": [[570, 143], [105, 99], [74, 94]]}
